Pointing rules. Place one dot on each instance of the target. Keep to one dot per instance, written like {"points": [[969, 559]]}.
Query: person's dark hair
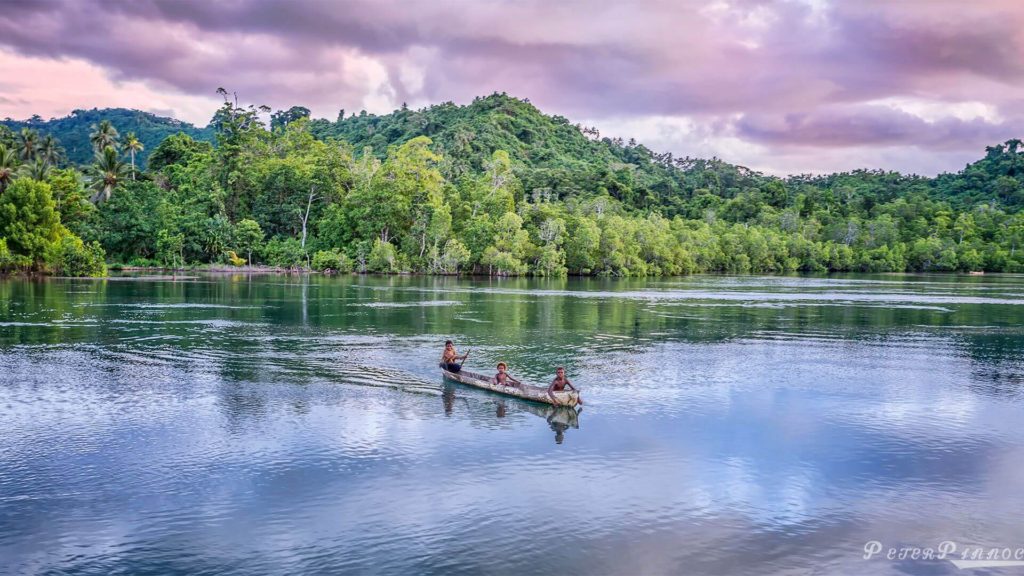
{"points": [[562, 368], [447, 342], [500, 364]]}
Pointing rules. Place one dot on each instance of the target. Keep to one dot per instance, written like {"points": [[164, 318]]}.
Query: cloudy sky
{"points": [[786, 86]]}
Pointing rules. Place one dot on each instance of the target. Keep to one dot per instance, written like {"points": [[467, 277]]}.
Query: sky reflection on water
{"points": [[299, 425]]}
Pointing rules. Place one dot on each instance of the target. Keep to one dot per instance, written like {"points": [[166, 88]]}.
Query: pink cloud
{"points": [[780, 73]]}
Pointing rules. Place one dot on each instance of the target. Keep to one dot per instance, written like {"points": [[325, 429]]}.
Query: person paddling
{"points": [[559, 384], [503, 378], [450, 358]]}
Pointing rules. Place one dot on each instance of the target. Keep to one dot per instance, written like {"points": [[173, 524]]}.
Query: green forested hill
{"points": [[549, 155], [73, 130], [492, 187], [996, 179], [552, 155]]}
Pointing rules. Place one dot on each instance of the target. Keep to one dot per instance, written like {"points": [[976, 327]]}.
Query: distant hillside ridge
{"points": [[73, 130], [554, 157]]}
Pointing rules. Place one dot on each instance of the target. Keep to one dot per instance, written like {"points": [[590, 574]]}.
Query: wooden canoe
{"points": [[524, 391]]}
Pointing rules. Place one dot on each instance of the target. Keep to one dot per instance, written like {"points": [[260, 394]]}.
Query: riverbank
{"points": [[262, 269], [216, 269], [151, 272]]}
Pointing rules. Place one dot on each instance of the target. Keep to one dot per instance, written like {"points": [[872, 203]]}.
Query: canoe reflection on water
{"points": [[492, 407]]}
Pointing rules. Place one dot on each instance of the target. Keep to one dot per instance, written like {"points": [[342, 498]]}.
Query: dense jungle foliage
{"points": [[493, 187]]}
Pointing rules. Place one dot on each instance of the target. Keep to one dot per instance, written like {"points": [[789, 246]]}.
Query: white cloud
{"points": [[935, 110], [715, 136]]}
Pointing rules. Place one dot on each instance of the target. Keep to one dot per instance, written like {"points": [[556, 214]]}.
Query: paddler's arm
{"points": [[574, 389]]}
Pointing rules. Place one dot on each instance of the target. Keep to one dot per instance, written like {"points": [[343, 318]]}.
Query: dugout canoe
{"points": [[524, 391]]}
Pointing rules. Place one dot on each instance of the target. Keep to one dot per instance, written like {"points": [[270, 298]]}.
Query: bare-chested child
{"points": [[450, 358], [504, 378], [560, 383]]}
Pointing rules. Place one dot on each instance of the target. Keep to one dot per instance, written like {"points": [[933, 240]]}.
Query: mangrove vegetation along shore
{"points": [[494, 187]]}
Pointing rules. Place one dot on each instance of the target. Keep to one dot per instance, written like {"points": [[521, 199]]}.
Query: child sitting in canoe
{"points": [[503, 378], [450, 358], [559, 384]]}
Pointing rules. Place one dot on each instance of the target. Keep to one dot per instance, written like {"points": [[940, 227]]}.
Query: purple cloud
{"points": [[779, 73], [871, 125]]}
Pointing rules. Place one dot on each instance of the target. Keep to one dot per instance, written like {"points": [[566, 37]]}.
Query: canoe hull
{"points": [[525, 391]]}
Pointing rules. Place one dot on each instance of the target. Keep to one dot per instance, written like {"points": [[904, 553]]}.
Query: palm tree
{"points": [[50, 150], [37, 170], [133, 145], [105, 174], [28, 143], [103, 136], [8, 166]]}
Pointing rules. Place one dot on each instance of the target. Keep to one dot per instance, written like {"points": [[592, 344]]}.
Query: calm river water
{"points": [[299, 425]]}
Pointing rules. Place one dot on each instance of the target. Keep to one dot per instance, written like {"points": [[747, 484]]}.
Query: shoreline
{"points": [[214, 269], [161, 273]]}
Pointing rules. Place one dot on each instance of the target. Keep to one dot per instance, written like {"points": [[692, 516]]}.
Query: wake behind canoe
{"points": [[524, 391]]}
